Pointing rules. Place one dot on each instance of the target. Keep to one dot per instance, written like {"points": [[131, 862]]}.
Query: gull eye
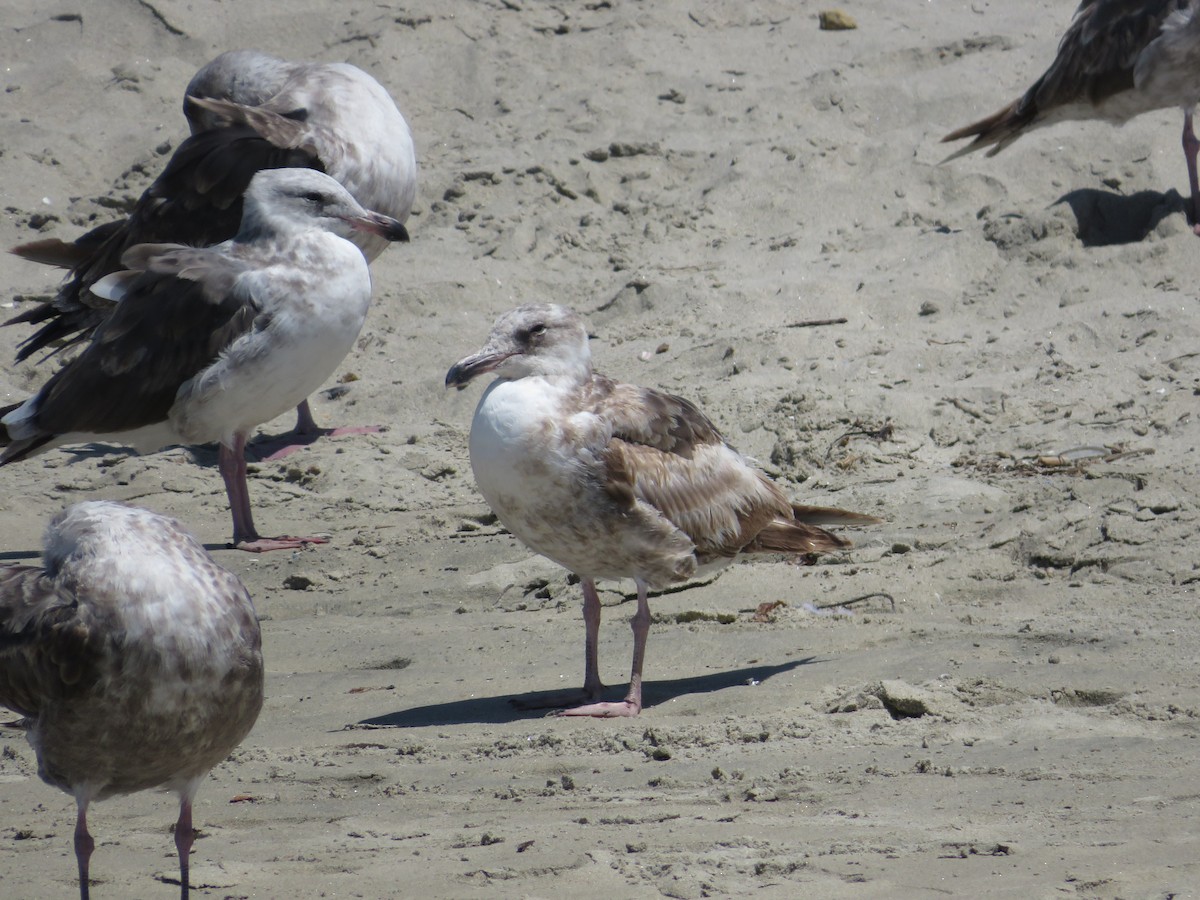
{"points": [[314, 197], [532, 334]]}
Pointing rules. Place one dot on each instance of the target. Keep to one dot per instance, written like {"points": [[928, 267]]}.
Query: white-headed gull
{"points": [[207, 343]]}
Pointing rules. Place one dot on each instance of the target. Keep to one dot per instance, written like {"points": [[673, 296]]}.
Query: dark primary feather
{"points": [[172, 322], [1095, 61], [197, 201], [1101, 45]]}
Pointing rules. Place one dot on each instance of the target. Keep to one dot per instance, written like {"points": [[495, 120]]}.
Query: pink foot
{"points": [[284, 542], [281, 447], [624, 708]]}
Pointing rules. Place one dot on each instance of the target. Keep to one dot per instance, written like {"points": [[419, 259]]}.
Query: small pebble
{"points": [[836, 20]]}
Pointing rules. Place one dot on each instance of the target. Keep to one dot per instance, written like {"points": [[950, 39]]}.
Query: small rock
{"points": [[836, 20], [904, 701]]}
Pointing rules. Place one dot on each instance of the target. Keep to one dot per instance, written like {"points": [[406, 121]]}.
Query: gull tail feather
{"points": [[996, 131], [52, 252], [794, 538], [831, 515]]}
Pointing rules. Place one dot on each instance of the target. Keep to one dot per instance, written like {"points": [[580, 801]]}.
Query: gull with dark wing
{"points": [[134, 658], [208, 343], [1117, 60], [248, 111], [612, 480]]}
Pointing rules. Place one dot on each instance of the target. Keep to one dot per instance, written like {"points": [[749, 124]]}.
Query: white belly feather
{"points": [[540, 468], [266, 372]]}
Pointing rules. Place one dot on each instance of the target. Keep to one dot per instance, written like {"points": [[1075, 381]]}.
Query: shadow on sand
{"points": [[499, 709], [1104, 218]]}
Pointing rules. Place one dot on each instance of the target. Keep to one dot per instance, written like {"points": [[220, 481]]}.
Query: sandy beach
{"points": [[994, 694]]}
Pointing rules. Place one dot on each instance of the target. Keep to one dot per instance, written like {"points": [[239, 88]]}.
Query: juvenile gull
{"points": [[247, 111], [1117, 60], [208, 343], [135, 659], [611, 480]]}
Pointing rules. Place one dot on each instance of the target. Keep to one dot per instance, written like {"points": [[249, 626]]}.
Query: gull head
{"points": [[538, 339], [282, 200]]}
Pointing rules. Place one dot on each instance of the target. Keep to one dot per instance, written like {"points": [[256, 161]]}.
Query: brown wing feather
{"points": [[831, 515], [50, 252], [666, 453], [47, 648], [290, 131], [712, 496], [653, 418]]}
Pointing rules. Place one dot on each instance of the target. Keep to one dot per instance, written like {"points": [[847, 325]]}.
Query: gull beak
{"points": [[377, 223], [486, 360]]}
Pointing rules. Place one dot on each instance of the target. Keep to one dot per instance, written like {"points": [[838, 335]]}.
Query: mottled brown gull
{"points": [[134, 658], [208, 343], [247, 111], [1117, 60], [611, 480]]}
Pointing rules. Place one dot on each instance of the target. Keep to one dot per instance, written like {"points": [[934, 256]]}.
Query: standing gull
{"points": [[1117, 60], [135, 659], [208, 343], [247, 111], [611, 480]]}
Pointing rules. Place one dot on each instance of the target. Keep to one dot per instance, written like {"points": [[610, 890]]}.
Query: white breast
{"points": [[538, 463], [516, 444], [312, 320]]}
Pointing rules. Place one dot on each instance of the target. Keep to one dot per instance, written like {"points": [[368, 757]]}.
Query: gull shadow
{"points": [[92, 450], [16, 556], [497, 710], [201, 454], [1104, 218]]}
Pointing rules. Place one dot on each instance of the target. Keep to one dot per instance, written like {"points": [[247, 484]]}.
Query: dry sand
{"points": [[699, 179]]}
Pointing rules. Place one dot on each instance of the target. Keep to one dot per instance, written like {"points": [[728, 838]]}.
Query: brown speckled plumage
{"points": [[134, 657], [613, 480]]}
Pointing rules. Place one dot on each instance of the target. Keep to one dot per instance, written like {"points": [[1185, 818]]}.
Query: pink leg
{"points": [[1190, 147], [632, 704], [305, 423], [184, 835], [592, 686], [306, 432], [84, 845], [232, 463]]}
